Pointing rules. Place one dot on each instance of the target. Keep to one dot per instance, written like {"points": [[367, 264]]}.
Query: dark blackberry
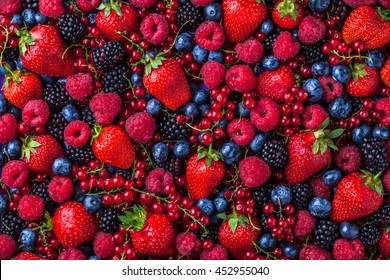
{"points": [[40, 189], [263, 217], [174, 165], [87, 249], [357, 104], [369, 235], [56, 125], [32, 4], [374, 154], [70, 27], [340, 9], [190, 15], [125, 173], [108, 220], [80, 155], [312, 52], [12, 224], [171, 130], [10, 54], [212, 233], [274, 153], [326, 232], [270, 41], [262, 195], [301, 195], [235, 96], [116, 79], [111, 54], [381, 217], [56, 96], [87, 116]]}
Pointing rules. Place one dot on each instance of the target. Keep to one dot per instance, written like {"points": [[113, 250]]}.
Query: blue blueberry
{"points": [[3, 104], [380, 133], [181, 149], [257, 143], [191, 109], [17, 19], [28, 248], [340, 108], [70, 113], [206, 206], [92, 203], [268, 27], [271, 62], [213, 11], [242, 111], [112, 169], [200, 54], [153, 107], [78, 194], [160, 152], [231, 153], [184, 42], [40, 19], [194, 87], [93, 258], [201, 97], [29, 17], [15, 111], [314, 88], [267, 242], [295, 34], [332, 177], [290, 250], [220, 204], [376, 59], [320, 207], [92, 19], [3, 204], [319, 5], [147, 96], [3, 71], [28, 236], [19, 64], [203, 109], [136, 79], [321, 69], [341, 73], [281, 194], [360, 132], [62, 166], [223, 123], [48, 80], [215, 56], [150, 54], [349, 230], [14, 149]]}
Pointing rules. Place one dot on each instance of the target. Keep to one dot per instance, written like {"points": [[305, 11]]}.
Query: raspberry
{"points": [[27, 256], [218, 252], [72, 254], [320, 189], [241, 131], [357, 3], [348, 250], [313, 116], [348, 158], [104, 245], [383, 106], [8, 128], [240, 78], [254, 171], [157, 179], [384, 244], [386, 180], [15, 174], [213, 74], [187, 243], [36, 113], [87, 5], [80, 86], [312, 252], [311, 30], [141, 127], [155, 28], [143, 3], [51, 8], [265, 116], [60, 188], [105, 107], [305, 223], [31, 207], [7, 246], [77, 133], [385, 3], [332, 88], [210, 36], [10, 7], [250, 51], [201, 3], [286, 46]]}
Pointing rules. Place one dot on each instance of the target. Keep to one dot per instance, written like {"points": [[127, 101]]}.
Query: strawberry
{"points": [[116, 20], [366, 81], [274, 84], [165, 79], [39, 152], [43, 51], [204, 172], [73, 225], [151, 234], [309, 152], [242, 17], [385, 73], [367, 25], [111, 145], [384, 243], [27, 256], [288, 14], [357, 195], [238, 234]]}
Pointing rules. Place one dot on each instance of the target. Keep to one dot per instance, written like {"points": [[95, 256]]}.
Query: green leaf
{"points": [[323, 147], [215, 157], [123, 219], [117, 10], [202, 154], [233, 224], [107, 12], [331, 144], [336, 133], [222, 216], [316, 147], [324, 124], [101, 6], [388, 229], [208, 161], [148, 69], [242, 223]]}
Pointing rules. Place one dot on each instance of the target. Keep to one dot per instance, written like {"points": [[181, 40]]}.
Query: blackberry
{"points": [[87, 249], [171, 130], [262, 195], [340, 9], [116, 79], [369, 235], [374, 155], [80, 155], [263, 217], [12, 224], [173, 165], [110, 55], [212, 233], [87, 116], [274, 153], [381, 217], [301, 195], [56, 125], [108, 220], [326, 232], [235, 96], [32, 4], [190, 15], [312, 52], [10, 54], [270, 41], [357, 104], [125, 173], [56, 96], [41, 190], [70, 27]]}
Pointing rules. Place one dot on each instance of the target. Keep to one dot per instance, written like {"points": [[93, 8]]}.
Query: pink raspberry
{"points": [[254, 171], [320, 189], [60, 188], [311, 30], [72, 254], [250, 51], [304, 224], [332, 88], [286, 46], [385, 3], [210, 35], [36, 113], [348, 158], [15, 174], [155, 28], [348, 250], [77, 133], [143, 3], [212, 73], [312, 252], [31, 207], [105, 107], [384, 244], [240, 78], [357, 3], [87, 5], [265, 116], [218, 252], [10, 7], [313, 116], [201, 3], [386, 179], [187, 243], [141, 127], [80, 86], [157, 179], [8, 128], [7, 247], [241, 131], [383, 107], [51, 8], [104, 245]]}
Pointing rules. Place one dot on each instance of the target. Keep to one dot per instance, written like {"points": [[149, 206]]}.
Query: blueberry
{"points": [[201, 97], [376, 59], [70, 113], [14, 149], [3, 204], [268, 27], [360, 132], [295, 34], [184, 42], [136, 79], [78, 194], [349, 230], [15, 111], [40, 19], [341, 73], [223, 123], [29, 17], [28, 248], [112, 169], [17, 19], [203, 109], [61, 166], [93, 258], [28, 236], [242, 111], [314, 88], [213, 11], [380, 133], [153, 107], [3, 71], [257, 143], [147, 96], [320, 207], [321, 69], [282, 195], [231, 153], [319, 5], [19, 64], [92, 18], [215, 56], [267, 242], [200, 54], [150, 54], [181, 149], [271, 62], [340, 108], [191, 109], [206, 206], [160, 152], [3, 104], [92, 203], [332, 177], [48, 80], [290, 250], [220, 204]]}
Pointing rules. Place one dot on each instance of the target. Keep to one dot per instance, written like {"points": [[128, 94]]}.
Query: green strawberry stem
{"points": [[209, 154], [358, 71], [96, 131], [11, 75], [28, 146], [45, 227], [134, 220], [288, 8], [383, 13], [373, 181], [113, 5], [324, 138], [350, 56], [154, 63], [234, 219], [25, 39]]}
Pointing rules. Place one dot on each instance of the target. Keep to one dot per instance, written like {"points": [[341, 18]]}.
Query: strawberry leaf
{"points": [[148, 69], [335, 133], [316, 147], [388, 229], [202, 155], [331, 145], [134, 220], [208, 161], [323, 147], [324, 124], [107, 12], [233, 223], [222, 216]]}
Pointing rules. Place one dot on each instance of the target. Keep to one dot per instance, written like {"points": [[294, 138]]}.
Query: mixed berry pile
{"points": [[195, 129]]}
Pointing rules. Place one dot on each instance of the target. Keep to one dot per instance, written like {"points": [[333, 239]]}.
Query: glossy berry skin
{"points": [[181, 149], [366, 85], [213, 11], [281, 195], [206, 206], [184, 42], [267, 242], [314, 88], [61, 166], [290, 250], [220, 204], [332, 177], [231, 153], [340, 108], [360, 132], [381, 133], [341, 73], [160, 152], [320, 207], [271, 62], [375, 59], [349, 230], [28, 236], [92, 203]]}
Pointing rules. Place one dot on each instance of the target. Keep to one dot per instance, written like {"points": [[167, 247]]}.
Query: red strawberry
{"points": [[151, 234], [115, 19], [242, 17], [366, 81], [27, 256], [288, 14], [274, 84], [385, 73], [204, 172], [357, 195], [384, 243], [39, 152], [367, 25], [111, 145], [73, 225], [44, 52], [165, 79]]}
